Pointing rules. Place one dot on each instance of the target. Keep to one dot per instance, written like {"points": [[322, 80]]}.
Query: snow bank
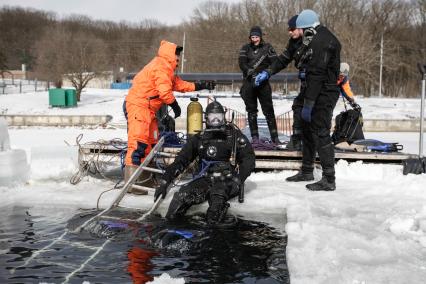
{"points": [[13, 162]]}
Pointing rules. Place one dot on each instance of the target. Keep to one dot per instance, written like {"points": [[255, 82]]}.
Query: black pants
{"points": [[263, 93], [316, 134], [198, 191], [297, 115]]}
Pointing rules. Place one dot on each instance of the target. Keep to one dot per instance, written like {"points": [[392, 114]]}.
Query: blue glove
{"points": [[307, 110], [262, 76]]}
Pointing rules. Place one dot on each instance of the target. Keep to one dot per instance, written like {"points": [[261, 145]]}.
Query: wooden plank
{"points": [[276, 159]]}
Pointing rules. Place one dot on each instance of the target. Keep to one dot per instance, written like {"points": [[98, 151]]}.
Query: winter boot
{"points": [[276, 141], [252, 120], [305, 174], [272, 126], [322, 185], [295, 143], [301, 176], [128, 172], [255, 140]]}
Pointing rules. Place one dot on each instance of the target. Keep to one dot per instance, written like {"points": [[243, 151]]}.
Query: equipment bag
{"points": [[414, 166], [348, 127], [379, 146]]}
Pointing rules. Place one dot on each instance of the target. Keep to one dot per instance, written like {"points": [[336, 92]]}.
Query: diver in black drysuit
{"points": [[221, 178]]}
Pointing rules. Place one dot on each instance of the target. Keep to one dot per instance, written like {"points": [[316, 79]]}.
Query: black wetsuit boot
{"points": [[254, 132], [323, 185], [305, 174], [295, 143], [326, 155]]}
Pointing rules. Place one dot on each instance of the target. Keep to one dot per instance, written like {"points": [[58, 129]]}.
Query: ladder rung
{"points": [[165, 154], [143, 187], [148, 169], [118, 218], [130, 208]]}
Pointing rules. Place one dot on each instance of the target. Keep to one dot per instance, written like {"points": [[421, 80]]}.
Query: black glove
{"points": [[176, 108], [205, 85], [161, 190], [355, 106], [250, 72]]}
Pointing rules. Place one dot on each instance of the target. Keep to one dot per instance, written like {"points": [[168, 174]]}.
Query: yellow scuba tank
{"points": [[194, 117]]}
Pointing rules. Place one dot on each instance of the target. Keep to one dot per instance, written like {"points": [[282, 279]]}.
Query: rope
{"points": [[173, 139], [205, 165], [35, 254], [68, 277], [263, 144], [95, 162]]}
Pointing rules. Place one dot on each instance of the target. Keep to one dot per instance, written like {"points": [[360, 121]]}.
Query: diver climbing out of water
{"points": [[226, 158]]}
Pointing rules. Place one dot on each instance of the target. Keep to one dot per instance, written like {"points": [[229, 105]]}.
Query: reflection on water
{"points": [[248, 252]]}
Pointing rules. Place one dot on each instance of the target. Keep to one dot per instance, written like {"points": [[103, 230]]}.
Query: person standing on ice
{"points": [[345, 87], [253, 58], [318, 63], [152, 87], [226, 158], [283, 60]]}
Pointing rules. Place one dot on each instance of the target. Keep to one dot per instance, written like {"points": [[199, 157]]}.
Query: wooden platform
{"points": [[265, 160], [290, 160]]}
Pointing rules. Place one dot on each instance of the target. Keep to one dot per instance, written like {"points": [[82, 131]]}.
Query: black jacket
{"points": [[285, 58], [215, 146], [250, 54], [319, 60], [322, 67]]}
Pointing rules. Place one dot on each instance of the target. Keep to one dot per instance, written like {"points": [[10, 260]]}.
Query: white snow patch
{"points": [[167, 279]]}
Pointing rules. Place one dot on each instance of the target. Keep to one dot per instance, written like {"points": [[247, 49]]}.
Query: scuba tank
{"points": [[194, 118]]}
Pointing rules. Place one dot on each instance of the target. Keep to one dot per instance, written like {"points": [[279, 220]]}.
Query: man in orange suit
{"points": [[152, 87]]}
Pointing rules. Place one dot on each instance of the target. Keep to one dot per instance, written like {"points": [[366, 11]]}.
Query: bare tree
{"points": [[3, 64], [78, 57], [216, 31]]}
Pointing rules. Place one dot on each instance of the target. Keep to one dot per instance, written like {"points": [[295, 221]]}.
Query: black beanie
{"points": [[255, 31], [178, 50], [292, 22]]}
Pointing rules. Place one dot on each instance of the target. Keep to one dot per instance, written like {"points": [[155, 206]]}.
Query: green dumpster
{"points": [[57, 97], [71, 97]]}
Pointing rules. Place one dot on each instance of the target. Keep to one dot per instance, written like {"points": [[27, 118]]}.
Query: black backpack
{"points": [[348, 127]]}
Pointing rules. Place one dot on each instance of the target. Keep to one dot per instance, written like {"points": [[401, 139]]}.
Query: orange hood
{"points": [[167, 51]]}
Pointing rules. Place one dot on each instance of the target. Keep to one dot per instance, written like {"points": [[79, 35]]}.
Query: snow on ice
{"points": [[372, 229]]}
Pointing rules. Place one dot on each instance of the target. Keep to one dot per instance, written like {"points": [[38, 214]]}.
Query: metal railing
{"points": [[240, 119], [19, 86], [285, 123]]}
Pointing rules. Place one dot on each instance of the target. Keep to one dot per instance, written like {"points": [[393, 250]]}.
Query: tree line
{"points": [[214, 33]]}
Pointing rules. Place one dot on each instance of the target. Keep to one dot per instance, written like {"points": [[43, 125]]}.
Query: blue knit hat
{"points": [[292, 22]]}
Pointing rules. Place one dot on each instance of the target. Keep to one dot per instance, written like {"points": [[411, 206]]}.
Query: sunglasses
{"points": [[291, 29]]}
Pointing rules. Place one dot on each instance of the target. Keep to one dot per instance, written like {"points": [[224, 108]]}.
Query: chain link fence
{"points": [[19, 86]]}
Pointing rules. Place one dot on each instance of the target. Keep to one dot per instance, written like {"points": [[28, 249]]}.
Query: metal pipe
{"points": [[381, 66], [422, 104], [152, 170]]}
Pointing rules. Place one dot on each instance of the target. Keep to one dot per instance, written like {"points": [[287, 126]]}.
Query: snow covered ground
{"points": [[109, 102], [372, 229]]}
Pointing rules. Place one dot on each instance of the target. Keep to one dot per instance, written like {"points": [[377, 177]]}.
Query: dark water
{"points": [[246, 252]]}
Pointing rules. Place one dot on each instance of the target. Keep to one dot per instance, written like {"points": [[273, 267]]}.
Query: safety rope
{"points": [[173, 139], [263, 144], [95, 162], [205, 165]]}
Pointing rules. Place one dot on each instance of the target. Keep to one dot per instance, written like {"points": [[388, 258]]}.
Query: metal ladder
{"points": [[130, 183], [103, 214]]}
